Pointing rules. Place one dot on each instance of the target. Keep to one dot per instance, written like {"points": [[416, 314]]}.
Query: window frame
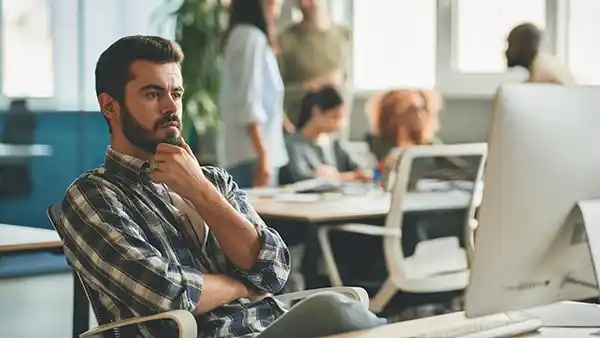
{"points": [[72, 80], [454, 83], [563, 18], [63, 17], [70, 75], [367, 93]]}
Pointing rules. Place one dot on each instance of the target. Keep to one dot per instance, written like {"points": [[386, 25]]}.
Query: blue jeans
{"points": [[243, 174], [322, 314]]}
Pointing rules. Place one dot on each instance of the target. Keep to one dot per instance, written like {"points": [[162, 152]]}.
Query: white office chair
{"points": [[184, 320], [438, 265]]}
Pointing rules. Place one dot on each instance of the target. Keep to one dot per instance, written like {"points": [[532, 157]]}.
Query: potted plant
{"points": [[199, 27]]}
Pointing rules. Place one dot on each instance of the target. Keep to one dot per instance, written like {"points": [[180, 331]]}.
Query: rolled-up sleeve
{"points": [[103, 243], [245, 55], [272, 266]]}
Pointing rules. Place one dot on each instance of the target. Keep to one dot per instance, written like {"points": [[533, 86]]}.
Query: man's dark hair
{"points": [[113, 67], [250, 12], [523, 45], [528, 34]]}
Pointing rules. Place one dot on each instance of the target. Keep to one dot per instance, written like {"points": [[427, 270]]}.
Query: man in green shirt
{"points": [[312, 53]]}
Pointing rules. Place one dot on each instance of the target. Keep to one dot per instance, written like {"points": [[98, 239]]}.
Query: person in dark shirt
{"points": [[315, 151]]}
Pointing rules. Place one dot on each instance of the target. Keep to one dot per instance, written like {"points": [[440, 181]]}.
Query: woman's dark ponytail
{"points": [[325, 98], [306, 107]]}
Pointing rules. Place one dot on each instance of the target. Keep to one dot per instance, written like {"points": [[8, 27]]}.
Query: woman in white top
{"points": [[250, 140]]}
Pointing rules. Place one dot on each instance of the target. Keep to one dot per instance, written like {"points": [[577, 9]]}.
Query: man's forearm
{"points": [[218, 290], [238, 238], [255, 133]]}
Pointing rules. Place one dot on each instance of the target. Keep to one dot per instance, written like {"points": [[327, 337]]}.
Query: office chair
{"points": [[185, 321], [436, 266], [18, 129]]}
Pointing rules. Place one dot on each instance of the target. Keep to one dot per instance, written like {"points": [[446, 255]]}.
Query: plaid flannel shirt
{"points": [[125, 237]]}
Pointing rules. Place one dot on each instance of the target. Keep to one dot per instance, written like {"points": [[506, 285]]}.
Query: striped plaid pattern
{"points": [[125, 237]]}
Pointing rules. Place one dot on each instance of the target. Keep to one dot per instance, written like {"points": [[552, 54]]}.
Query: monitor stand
{"points": [[585, 222], [588, 230]]}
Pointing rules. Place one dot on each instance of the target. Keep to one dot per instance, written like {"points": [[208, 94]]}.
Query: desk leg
{"points": [[310, 261], [81, 308]]}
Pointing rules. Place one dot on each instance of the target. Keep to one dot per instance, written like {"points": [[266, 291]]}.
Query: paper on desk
{"points": [[566, 314], [265, 192], [301, 198]]}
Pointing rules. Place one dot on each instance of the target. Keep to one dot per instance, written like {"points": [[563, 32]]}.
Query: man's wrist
{"points": [[202, 192], [245, 290]]}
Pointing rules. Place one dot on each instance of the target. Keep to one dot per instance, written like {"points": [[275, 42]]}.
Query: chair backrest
{"points": [[19, 125], [377, 146], [54, 214], [392, 246], [18, 129]]}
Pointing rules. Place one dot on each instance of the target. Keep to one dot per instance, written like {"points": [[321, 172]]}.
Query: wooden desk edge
{"points": [[23, 247], [321, 219]]}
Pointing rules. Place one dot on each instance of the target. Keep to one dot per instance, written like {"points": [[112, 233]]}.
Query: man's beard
{"points": [[144, 138]]}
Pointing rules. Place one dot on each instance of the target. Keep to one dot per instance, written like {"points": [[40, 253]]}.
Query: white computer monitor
{"points": [[543, 158]]}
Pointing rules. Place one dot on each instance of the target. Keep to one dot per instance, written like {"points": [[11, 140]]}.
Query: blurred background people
{"points": [[312, 53], [251, 144], [400, 119], [523, 50], [314, 150]]}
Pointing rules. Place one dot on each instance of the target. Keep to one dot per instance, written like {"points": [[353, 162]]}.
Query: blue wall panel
{"points": [[64, 132]]}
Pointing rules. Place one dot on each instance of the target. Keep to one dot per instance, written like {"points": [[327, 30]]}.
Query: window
{"points": [[338, 11], [27, 51], [483, 26], [394, 44], [583, 44], [134, 16]]}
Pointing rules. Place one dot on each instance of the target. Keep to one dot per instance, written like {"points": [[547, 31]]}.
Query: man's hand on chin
{"points": [[239, 239], [178, 168]]}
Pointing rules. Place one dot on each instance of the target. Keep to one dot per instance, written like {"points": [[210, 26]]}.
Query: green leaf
{"points": [[200, 26]]}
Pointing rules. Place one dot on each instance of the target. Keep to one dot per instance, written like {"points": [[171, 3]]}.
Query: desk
{"points": [[15, 239], [371, 207], [352, 208], [10, 152], [413, 327]]}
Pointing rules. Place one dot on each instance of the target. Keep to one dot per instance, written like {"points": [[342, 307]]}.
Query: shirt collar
{"points": [[128, 166]]}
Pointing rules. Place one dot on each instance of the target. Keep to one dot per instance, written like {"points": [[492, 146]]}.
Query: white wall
{"points": [[463, 120]]}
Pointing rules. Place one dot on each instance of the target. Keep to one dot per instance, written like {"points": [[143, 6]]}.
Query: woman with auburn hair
{"points": [[402, 118], [405, 117]]}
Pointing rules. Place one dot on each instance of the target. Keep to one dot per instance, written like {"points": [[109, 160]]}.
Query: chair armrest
{"points": [[355, 293], [365, 229], [185, 322]]}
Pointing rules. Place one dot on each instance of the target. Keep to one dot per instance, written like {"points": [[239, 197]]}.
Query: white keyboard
{"points": [[487, 328]]}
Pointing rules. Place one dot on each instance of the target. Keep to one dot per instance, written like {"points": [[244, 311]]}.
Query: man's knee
{"points": [[329, 300], [334, 307]]}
